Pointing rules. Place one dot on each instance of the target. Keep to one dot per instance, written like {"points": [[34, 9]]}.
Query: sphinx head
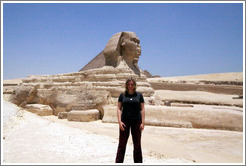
{"points": [[122, 46]]}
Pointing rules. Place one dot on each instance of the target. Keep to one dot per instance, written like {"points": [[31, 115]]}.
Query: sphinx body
{"points": [[92, 93], [97, 86]]}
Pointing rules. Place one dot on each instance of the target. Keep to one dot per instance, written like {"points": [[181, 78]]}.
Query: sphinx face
{"points": [[131, 49]]}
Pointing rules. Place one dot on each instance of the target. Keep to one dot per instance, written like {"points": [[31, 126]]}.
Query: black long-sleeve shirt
{"points": [[131, 105]]}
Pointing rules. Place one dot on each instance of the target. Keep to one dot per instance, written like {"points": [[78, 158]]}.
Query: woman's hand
{"points": [[141, 127], [122, 126]]}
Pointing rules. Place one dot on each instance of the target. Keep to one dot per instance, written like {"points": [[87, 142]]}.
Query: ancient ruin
{"points": [[80, 93], [92, 93]]}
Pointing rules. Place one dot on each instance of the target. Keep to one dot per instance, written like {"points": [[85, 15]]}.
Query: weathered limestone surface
{"points": [[92, 93], [9, 86], [199, 97], [84, 90], [39, 109], [209, 89], [188, 117], [83, 115], [220, 89]]}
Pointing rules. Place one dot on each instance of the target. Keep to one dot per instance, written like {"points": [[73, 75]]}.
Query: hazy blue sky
{"points": [[176, 38]]}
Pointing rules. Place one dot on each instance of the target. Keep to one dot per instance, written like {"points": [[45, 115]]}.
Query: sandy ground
{"points": [[28, 138], [209, 77], [199, 97]]}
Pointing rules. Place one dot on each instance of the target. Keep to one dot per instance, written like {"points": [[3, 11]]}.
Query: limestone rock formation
{"points": [[85, 90], [39, 109], [98, 84], [187, 117], [92, 93]]}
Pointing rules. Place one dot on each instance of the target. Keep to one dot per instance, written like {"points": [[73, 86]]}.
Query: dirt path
{"points": [[194, 145]]}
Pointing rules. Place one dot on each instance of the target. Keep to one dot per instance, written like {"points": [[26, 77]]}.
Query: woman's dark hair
{"points": [[134, 82]]}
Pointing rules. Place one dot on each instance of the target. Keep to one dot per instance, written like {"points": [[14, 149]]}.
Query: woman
{"points": [[131, 114]]}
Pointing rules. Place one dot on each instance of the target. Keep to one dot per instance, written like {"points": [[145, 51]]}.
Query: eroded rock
{"points": [[39, 109]]}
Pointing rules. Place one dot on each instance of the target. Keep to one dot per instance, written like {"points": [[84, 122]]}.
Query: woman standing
{"points": [[131, 115]]}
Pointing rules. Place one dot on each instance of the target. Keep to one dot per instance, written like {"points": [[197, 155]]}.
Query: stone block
{"points": [[39, 109], [83, 116], [110, 114]]}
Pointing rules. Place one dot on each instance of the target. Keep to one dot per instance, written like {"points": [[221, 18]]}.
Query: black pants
{"points": [[134, 125]]}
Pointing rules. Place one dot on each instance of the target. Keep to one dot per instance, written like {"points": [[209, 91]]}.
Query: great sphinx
{"points": [[91, 93], [123, 48], [96, 85]]}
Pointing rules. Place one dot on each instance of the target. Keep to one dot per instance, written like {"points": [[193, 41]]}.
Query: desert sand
{"points": [[237, 76], [28, 138], [32, 139]]}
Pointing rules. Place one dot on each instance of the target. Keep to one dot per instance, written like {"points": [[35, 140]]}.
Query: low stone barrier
{"points": [[83, 115], [188, 117]]}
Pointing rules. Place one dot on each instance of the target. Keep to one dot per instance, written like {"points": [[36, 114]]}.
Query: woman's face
{"points": [[130, 86], [131, 45]]}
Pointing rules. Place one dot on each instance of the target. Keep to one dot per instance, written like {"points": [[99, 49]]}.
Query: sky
{"points": [[176, 39]]}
